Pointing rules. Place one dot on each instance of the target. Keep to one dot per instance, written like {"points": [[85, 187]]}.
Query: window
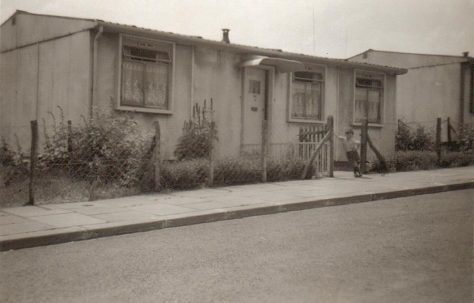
{"points": [[368, 97], [146, 73], [307, 96], [254, 87]]}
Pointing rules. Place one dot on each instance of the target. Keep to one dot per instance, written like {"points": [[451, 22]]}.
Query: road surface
{"points": [[416, 249]]}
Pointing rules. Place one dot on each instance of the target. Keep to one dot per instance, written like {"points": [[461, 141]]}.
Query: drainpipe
{"points": [[461, 96], [94, 70]]}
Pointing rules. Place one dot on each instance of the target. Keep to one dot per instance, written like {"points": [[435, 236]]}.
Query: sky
{"points": [[330, 28]]}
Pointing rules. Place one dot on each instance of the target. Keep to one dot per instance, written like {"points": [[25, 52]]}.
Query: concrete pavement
{"points": [[30, 226]]}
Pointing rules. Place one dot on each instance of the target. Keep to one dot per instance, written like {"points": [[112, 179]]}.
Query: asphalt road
{"points": [[417, 249]]}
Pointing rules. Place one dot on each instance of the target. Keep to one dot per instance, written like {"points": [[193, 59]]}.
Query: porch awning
{"points": [[282, 65]]}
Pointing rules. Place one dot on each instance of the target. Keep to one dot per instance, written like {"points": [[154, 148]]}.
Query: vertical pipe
{"points": [[331, 145], [94, 70], [438, 138], [461, 96], [448, 129], [211, 145], [33, 155], [363, 146], [37, 79], [157, 158], [264, 149]]}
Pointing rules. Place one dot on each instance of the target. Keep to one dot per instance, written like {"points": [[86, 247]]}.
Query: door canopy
{"points": [[281, 65]]}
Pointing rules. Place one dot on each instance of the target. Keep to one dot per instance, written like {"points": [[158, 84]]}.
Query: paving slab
{"points": [[11, 219], [23, 227], [34, 211], [67, 220], [99, 209], [162, 209], [125, 216], [29, 226]]}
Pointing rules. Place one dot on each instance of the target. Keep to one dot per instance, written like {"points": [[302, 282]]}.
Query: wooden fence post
{"points": [[212, 135], [264, 152], [157, 158], [33, 156], [330, 126], [363, 145], [438, 139]]}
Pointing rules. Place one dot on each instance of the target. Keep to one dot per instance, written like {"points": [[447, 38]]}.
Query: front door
{"points": [[255, 94]]}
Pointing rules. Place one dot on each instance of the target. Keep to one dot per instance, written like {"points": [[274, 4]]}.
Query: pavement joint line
{"points": [[220, 215]]}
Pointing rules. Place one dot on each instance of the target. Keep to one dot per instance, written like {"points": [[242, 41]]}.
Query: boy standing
{"points": [[351, 146]]}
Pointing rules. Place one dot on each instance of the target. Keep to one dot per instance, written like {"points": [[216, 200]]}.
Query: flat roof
{"points": [[251, 50], [409, 53]]}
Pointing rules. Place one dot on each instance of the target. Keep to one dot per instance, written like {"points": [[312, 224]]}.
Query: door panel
{"points": [[254, 105]]}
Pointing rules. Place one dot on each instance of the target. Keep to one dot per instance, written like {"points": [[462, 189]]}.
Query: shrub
{"points": [[14, 167], [104, 149], [185, 174], [196, 139], [457, 159], [282, 170], [406, 139], [237, 171], [466, 138], [188, 174], [414, 160], [7, 156], [403, 138]]}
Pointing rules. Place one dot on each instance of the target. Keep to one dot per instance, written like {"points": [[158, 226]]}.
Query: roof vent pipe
{"points": [[465, 54], [225, 35]]}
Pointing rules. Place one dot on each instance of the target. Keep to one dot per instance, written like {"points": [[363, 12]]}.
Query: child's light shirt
{"points": [[349, 145]]}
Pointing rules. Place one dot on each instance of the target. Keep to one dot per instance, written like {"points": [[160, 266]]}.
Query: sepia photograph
{"points": [[237, 151]]}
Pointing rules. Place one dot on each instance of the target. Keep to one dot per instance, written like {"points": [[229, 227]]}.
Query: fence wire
{"points": [[106, 157]]}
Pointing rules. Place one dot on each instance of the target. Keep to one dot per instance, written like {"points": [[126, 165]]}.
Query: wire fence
{"points": [[433, 135], [104, 157]]}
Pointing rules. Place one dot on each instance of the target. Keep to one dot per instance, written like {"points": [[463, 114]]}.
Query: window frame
{"points": [[311, 68], [120, 61], [371, 75]]}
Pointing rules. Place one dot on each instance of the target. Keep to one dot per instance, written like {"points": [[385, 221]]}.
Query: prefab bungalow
{"points": [[87, 65], [435, 85]]}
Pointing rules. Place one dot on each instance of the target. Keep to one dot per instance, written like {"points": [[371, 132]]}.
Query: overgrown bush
{"points": [[14, 167], [103, 149], [466, 138], [406, 139], [195, 142], [7, 156]]}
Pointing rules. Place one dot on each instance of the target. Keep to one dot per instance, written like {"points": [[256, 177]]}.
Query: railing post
{"points": [[438, 139], [330, 127], [157, 158], [363, 145], [264, 149], [33, 156]]}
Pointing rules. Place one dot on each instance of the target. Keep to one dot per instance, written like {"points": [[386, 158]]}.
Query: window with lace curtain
{"points": [[307, 95], [146, 74], [368, 97]]}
